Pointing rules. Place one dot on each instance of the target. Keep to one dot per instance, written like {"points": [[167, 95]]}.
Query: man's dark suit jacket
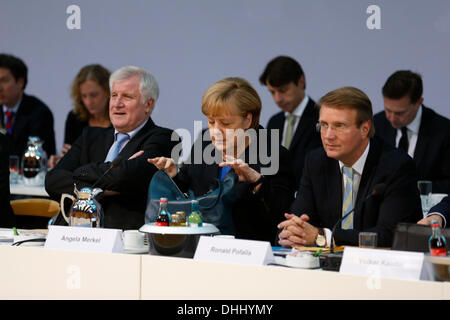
{"points": [[255, 216], [320, 194], [7, 218], [33, 118], [432, 153], [84, 165], [443, 208], [305, 139]]}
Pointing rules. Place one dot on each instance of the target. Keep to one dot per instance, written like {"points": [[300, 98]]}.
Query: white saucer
{"points": [[144, 249]]}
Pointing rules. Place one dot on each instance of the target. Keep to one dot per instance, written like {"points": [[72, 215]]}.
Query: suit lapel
{"points": [[301, 127], [278, 123], [426, 126], [108, 140], [366, 182], [2, 117], [20, 120], [386, 131]]}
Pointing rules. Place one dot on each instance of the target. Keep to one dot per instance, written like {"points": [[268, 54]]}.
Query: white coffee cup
{"points": [[133, 239]]}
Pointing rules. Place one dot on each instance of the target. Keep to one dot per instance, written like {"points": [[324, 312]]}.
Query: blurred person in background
{"points": [[296, 122], [90, 96], [22, 115]]}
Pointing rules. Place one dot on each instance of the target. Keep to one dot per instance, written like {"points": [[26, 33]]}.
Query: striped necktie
{"points": [[289, 129], [114, 151], [347, 204], [9, 121]]}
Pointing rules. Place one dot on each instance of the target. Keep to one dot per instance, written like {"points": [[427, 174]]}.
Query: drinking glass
{"points": [[13, 169], [368, 239], [425, 190]]}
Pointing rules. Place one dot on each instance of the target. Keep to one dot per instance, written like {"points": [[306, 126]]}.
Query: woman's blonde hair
{"points": [[229, 95], [93, 72]]}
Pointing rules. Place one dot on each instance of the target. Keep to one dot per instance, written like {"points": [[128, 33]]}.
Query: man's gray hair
{"points": [[148, 86]]}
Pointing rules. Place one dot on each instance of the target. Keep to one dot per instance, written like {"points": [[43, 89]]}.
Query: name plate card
{"points": [[382, 263], [84, 239], [238, 251]]}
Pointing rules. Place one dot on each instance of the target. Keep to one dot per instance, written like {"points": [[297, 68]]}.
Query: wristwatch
{"points": [[321, 240]]}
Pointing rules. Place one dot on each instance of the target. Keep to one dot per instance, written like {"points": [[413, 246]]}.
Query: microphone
{"points": [[114, 164], [378, 190]]}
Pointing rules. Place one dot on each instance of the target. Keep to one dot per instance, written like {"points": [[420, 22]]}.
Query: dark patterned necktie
{"points": [[9, 121]]}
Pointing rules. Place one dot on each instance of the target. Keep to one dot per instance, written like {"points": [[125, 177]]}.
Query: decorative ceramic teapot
{"points": [[85, 210]]}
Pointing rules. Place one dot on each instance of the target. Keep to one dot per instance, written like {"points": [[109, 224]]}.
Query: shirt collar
{"points": [[132, 133], [358, 166], [414, 126], [299, 110]]}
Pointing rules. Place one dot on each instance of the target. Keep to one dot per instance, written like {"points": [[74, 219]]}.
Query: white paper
{"points": [[85, 239], [382, 263], [234, 251]]}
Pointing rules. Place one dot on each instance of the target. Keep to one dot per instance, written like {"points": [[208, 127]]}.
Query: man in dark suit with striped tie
{"points": [[353, 171], [418, 130], [285, 79]]}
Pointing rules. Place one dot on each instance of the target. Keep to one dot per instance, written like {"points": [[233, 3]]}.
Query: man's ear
{"points": [[365, 127], [301, 82], [419, 102], [149, 105], [248, 120], [21, 82]]}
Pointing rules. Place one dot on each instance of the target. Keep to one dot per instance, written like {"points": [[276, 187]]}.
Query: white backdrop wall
{"points": [[188, 45]]}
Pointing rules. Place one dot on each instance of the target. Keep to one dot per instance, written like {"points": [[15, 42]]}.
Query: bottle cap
{"points": [[435, 223], [163, 200]]}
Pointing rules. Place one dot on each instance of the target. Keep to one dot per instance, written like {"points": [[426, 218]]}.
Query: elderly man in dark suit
{"points": [[407, 124], [285, 79], [22, 115], [340, 177], [134, 137]]}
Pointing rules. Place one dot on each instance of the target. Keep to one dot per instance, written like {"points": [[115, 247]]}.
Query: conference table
{"points": [[42, 273]]}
